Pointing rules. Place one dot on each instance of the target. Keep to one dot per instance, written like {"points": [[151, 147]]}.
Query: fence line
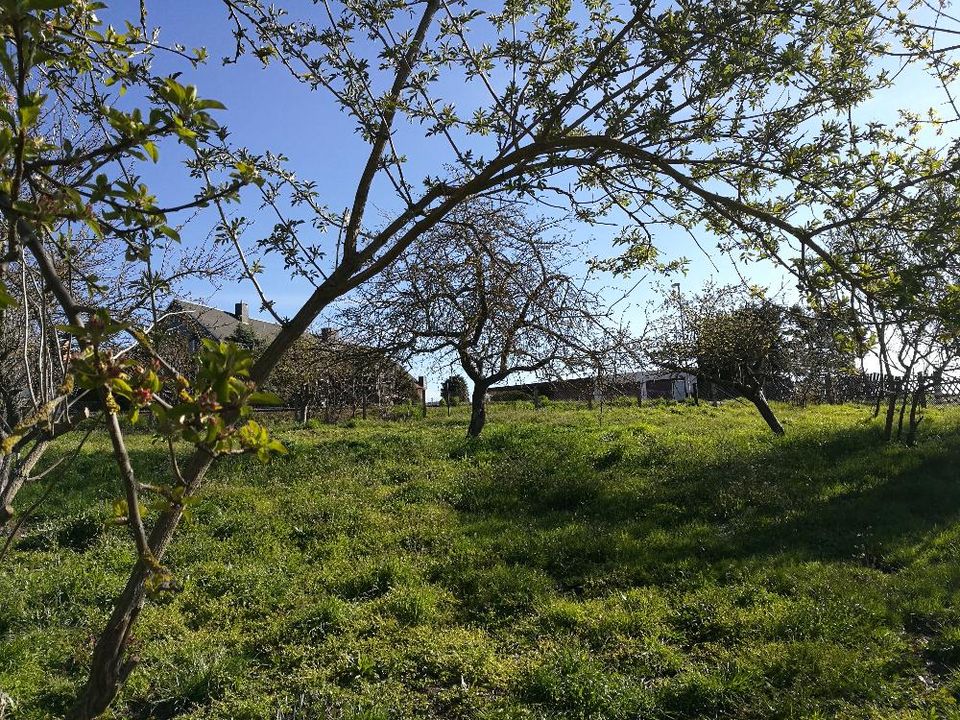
{"points": [[868, 387]]}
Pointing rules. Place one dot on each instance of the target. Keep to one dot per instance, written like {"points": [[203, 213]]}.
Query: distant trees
{"points": [[745, 344], [488, 288], [454, 390], [36, 403], [244, 336], [918, 351], [736, 346], [33, 368], [331, 375], [84, 240], [905, 298], [827, 346]]}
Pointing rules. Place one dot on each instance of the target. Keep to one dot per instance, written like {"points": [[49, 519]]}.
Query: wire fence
{"points": [[868, 387]]}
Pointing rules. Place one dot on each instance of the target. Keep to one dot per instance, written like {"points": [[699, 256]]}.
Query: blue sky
{"points": [[269, 110]]}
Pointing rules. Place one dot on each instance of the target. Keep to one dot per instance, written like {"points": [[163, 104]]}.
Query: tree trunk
{"points": [[110, 666], [7, 488], [14, 473], [830, 390], [903, 410], [879, 401], [915, 416], [893, 393], [478, 410], [766, 412]]}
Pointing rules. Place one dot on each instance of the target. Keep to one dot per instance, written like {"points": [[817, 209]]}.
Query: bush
{"points": [[509, 395]]}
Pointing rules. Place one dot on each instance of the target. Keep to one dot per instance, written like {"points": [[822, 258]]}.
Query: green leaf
{"points": [[151, 150], [74, 330], [161, 414], [6, 299], [210, 105], [7, 65], [28, 115], [93, 225], [121, 387], [169, 232], [187, 136]]}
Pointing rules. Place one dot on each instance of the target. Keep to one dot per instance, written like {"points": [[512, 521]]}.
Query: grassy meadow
{"points": [[672, 562]]}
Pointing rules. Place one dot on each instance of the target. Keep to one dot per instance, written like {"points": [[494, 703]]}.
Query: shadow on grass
{"points": [[647, 517], [575, 504], [74, 514]]}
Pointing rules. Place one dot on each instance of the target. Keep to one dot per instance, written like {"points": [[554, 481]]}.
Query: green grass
{"points": [[674, 562]]}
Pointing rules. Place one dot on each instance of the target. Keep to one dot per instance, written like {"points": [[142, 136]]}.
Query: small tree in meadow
{"points": [[747, 345], [454, 390], [489, 288]]}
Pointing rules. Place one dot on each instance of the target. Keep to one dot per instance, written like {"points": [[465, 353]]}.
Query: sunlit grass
{"points": [[670, 561]]}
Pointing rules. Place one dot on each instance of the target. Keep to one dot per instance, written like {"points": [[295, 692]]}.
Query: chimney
{"points": [[328, 334], [241, 311]]}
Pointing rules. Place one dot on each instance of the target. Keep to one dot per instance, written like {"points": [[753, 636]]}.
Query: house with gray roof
{"points": [[194, 322], [344, 367]]}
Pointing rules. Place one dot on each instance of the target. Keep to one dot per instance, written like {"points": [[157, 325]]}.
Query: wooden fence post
{"points": [[423, 395]]}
